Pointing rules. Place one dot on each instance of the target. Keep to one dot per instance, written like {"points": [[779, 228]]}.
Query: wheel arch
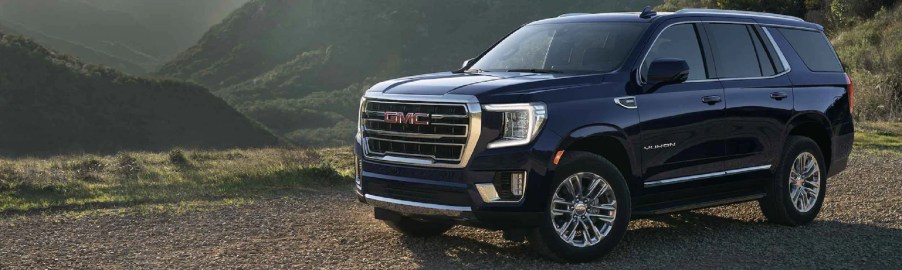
{"points": [[816, 127], [608, 141]]}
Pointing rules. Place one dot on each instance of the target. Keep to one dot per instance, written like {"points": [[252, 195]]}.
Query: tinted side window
{"points": [[814, 49], [734, 51], [681, 42], [767, 67]]}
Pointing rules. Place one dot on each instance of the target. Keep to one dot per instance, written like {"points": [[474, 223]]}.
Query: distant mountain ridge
{"points": [[52, 103], [134, 36], [300, 66]]}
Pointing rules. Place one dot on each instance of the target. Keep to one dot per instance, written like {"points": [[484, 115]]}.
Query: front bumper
{"points": [[451, 193], [463, 213]]}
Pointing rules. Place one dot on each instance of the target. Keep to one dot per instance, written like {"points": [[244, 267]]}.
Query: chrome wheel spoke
{"points": [[563, 229], [605, 218], [605, 207], [569, 185]]}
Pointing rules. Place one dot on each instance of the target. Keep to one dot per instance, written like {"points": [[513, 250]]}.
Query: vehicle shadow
{"points": [[690, 240]]}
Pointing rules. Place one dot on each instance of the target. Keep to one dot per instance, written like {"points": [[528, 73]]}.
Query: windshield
{"points": [[563, 48]]}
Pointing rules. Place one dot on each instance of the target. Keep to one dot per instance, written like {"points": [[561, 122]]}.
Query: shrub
{"points": [[873, 58], [127, 165], [9, 177], [178, 158]]}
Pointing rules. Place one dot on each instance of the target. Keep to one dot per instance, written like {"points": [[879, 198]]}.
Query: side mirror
{"points": [[667, 71], [467, 63]]}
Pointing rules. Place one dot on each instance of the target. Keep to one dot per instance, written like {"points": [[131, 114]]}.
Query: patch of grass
{"points": [[879, 135], [177, 180]]}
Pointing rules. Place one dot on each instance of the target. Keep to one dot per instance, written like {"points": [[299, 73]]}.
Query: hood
{"points": [[473, 84]]}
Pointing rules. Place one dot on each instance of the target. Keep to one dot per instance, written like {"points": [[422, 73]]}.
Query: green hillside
{"points": [[133, 36], [52, 103], [299, 67], [872, 54]]}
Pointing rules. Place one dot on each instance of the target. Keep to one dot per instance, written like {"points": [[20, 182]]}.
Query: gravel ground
{"points": [[860, 227]]}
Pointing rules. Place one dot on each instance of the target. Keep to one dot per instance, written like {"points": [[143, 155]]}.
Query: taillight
{"points": [[851, 93]]}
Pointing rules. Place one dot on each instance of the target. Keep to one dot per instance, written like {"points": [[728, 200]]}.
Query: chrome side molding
{"points": [[704, 176]]}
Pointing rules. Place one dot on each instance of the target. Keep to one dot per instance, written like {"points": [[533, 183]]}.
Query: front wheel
{"points": [[796, 195], [587, 212]]}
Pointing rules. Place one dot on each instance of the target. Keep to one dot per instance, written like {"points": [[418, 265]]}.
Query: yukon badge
{"points": [[660, 146], [409, 118]]}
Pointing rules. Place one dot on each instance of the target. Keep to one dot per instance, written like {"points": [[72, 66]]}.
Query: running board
{"points": [[697, 205]]}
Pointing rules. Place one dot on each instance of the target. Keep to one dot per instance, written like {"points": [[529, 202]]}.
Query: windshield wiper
{"points": [[535, 70]]}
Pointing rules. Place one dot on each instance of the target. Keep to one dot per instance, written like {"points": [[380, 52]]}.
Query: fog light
{"points": [[506, 187], [518, 183], [358, 171]]}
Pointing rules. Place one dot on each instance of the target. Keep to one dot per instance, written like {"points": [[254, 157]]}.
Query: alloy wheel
{"points": [[583, 209], [804, 182]]}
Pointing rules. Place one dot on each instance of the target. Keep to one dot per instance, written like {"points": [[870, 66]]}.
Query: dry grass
{"points": [[171, 180], [183, 180]]}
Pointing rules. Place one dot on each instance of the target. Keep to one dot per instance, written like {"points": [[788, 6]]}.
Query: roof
{"points": [[760, 17]]}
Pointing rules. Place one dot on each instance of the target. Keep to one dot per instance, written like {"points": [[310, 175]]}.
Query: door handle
{"points": [[711, 100], [779, 95]]}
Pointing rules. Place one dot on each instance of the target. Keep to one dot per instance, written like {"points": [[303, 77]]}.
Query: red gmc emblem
{"points": [[409, 118]]}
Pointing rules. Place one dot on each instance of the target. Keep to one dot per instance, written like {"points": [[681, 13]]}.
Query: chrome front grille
{"points": [[443, 141]]}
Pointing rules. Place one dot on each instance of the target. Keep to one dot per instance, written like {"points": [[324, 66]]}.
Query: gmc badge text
{"points": [[569, 127]]}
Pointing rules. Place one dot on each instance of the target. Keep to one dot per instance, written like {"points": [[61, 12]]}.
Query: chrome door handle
{"points": [[711, 100]]}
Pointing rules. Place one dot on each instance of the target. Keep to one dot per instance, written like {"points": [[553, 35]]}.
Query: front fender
{"points": [[605, 131]]}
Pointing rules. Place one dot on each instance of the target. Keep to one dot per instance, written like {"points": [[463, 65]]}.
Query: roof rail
{"points": [[572, 14], [739, 12]]}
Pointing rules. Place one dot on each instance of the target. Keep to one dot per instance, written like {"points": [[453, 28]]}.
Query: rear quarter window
{"points": [[814, 49]]}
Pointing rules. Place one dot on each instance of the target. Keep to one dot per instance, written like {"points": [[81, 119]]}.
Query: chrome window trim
{"points": [[787, 67], [655, 41], [777, 48], [704, 176], [788, 27], [474, 129], [418, 208]]}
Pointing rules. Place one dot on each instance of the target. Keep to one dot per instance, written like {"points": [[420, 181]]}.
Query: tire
{"points": [[415, 228], [779, 205], [546, 239]]}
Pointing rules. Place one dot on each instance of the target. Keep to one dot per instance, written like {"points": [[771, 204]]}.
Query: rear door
{"points": [[681, 123], [757, 90]]}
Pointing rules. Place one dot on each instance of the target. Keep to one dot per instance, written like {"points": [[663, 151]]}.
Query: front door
{"points": [[682, 129]]}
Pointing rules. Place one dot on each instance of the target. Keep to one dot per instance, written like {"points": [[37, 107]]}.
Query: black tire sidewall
{"points": [[586, 162]]}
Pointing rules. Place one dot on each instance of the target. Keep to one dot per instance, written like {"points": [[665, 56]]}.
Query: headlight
{"points": [[360, 112], [522, 122]]}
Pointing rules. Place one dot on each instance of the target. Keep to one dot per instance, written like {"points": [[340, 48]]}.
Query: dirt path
{"points": [[860, 227]]}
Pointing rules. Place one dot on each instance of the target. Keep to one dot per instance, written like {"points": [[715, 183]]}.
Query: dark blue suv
{"points": [[569, 127]]}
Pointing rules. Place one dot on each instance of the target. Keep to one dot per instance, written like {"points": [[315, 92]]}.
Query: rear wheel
{"points": [[418, 228], [587, 213], [796, 195]]}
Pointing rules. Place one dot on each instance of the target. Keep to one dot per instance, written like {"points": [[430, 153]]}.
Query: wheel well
{"points": [[819, 134], [607, 147]]}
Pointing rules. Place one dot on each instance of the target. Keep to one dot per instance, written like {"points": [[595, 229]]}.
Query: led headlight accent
{"points": [[522, 122], [360, 123]]}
